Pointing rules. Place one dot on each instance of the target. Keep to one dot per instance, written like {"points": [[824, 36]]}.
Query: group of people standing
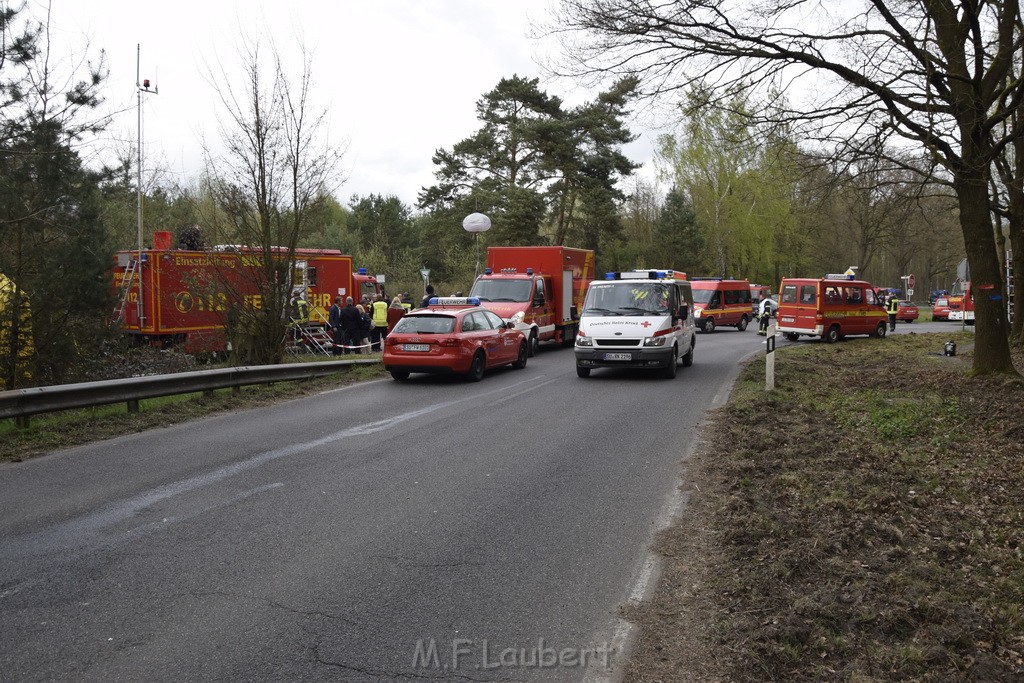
{"points": [[364, 326]]}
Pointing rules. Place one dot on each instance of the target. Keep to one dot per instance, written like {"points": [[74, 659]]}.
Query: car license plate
{"points": [[618, 356], [788, 320], [416, 347]]}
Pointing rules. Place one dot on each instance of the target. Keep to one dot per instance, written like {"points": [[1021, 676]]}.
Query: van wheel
{"points": [[534, 344], [582, 372], [742, 324], [688, 358], [672, 368], [792, 336], [880, 330], [709, 326], [832, 336], [477, 367]]}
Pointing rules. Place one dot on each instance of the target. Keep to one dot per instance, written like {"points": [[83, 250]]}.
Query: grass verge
{"points": [[862, 522], [53, 431]]}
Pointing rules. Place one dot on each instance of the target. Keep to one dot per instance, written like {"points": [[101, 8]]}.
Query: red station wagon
{"points": [[453, 335], [908, 312]]}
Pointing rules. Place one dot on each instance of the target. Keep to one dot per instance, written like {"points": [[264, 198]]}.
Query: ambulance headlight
{"points": [[584, 341], [696, 313], [655, 341]]}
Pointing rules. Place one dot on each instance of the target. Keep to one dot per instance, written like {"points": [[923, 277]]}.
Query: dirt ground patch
{"points": [[862, 522]]}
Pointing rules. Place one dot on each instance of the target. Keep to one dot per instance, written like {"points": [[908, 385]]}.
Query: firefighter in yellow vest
{"points": [[379, 314], [892, 307]]}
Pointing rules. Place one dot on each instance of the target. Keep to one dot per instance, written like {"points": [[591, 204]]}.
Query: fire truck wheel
{"points": [[534, 343], [793, 336], [477, 367], [672, 368], [400, 375], [880, 330], [688, 358], [709, 326], [832, 336], [521, 359], [582, 372], [742, 324]]}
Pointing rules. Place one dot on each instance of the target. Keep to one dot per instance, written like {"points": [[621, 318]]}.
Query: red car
{"points": [[940, 309], [453, 335], [908, 312]]}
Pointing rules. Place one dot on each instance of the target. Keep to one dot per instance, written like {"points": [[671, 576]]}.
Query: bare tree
{"points": [[278, 169], [933, 73]]}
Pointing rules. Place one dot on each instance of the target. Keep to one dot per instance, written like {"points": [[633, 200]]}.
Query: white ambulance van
{"points": [[637, 319]]}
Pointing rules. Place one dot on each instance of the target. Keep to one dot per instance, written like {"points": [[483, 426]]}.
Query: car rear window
{"points": [[425, 324]]}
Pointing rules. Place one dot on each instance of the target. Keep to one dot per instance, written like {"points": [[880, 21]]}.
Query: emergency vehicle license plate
{"points": [[618, 356], [416, 347], [788, 320]]}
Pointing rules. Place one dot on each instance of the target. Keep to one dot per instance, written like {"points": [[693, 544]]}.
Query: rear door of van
{"points": [[798, 305]]}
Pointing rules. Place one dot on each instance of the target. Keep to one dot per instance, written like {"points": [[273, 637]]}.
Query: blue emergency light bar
{"points": [[453, 301], [529, 271], [362, 271], [487, 271], [645, 275]]}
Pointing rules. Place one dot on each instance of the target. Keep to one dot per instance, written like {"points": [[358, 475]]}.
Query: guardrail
{"points": [[22, 403]]}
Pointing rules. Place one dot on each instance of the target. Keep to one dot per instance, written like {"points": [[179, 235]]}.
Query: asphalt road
{"points": [[386, 531]]}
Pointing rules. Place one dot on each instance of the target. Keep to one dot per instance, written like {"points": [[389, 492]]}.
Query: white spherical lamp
{"points": [[476, 222]]}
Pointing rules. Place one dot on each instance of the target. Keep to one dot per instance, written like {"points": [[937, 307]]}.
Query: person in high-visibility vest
{"points": [[892, 307], [379, 314]]}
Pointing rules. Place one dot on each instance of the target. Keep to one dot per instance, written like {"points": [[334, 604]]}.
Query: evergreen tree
{"points": [[53, 248]]}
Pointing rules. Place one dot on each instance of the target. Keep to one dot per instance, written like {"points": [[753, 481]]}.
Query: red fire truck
{"points": [[961, 302], [546, 285], [187, 296]]}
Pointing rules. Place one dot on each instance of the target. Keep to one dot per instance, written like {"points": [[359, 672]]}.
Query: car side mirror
{"points": [[684, 312], [510, 325]]}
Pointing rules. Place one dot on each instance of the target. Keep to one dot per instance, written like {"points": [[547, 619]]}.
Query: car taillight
{"points": [[390, 341], [448, 342]]}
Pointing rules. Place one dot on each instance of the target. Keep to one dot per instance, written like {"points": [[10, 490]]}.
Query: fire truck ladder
{"points": [[1009, 286], [314, 337], [126, 285]]}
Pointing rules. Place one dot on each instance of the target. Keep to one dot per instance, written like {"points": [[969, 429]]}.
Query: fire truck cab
{"points": [[961, 302], [637, 319], [830, 308], [540, 288]]}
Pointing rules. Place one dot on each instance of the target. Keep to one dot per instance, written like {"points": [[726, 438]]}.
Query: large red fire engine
{"points": [[544, 286], [187, 296], [961, 302]]}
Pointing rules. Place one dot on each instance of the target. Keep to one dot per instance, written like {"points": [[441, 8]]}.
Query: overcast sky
{"points": [[400, 78]]}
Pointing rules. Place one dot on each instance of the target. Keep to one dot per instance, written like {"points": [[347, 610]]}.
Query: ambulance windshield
{"points": [[627, 298], [502, 290]]}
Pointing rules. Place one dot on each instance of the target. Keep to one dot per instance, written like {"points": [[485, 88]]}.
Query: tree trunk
{"points": [[991, 347]]}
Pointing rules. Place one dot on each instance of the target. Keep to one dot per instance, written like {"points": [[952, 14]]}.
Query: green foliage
{"points": [[735, 181], [53, 247], [542, 174]]}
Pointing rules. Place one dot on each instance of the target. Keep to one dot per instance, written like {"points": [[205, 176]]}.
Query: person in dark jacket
{"points": [[428, 297], [334, 325], [350, 326]]}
